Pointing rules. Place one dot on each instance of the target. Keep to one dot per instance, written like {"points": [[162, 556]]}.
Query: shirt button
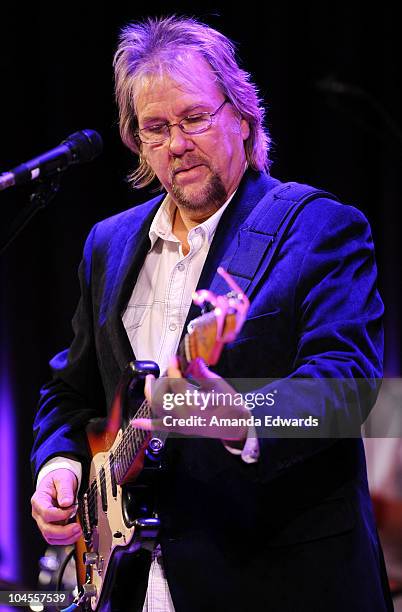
{"points": [[172, 326], [198, 230], [181, 267]]}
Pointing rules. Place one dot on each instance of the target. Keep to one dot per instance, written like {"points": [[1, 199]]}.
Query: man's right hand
{"points": [[53, 504]]}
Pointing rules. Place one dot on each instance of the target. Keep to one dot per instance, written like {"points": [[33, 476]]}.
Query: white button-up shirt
{"points": [[158, 307]]}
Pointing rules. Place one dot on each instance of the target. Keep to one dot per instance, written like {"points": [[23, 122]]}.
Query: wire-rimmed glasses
{"points": [[193, 124]]}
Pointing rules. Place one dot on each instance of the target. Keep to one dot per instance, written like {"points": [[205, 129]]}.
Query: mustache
{"points": [[186, 164]]}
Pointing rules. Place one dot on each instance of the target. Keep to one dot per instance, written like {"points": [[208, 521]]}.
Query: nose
{"points": [[179, 142]]}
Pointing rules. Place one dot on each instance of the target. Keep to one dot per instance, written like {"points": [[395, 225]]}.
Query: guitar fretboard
{"points": [[130, 443], [114, 470]]}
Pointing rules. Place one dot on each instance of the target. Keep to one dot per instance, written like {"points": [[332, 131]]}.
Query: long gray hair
{"points": [[160, 46]]}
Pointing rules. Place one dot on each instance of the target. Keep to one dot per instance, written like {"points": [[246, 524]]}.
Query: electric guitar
{"points": [[116, 516]]}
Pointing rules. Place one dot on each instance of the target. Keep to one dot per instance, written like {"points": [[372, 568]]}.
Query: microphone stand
{"points": [[46, 189]]}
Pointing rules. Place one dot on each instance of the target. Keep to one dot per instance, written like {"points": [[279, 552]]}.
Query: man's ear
{"points": [[244, 129]]}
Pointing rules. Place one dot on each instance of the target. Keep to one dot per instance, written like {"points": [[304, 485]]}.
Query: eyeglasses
{"points": [[193, 124]]}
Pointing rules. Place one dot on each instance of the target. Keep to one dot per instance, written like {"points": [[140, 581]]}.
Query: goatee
{"points": [[212, 195]]}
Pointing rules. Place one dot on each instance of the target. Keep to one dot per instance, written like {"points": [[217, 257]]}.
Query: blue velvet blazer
{"points": [[295, 531]]}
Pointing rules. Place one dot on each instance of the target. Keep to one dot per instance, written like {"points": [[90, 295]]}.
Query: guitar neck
{"points": [[117, 465]]}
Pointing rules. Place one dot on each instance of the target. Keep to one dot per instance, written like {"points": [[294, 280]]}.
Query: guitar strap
{"points": [[265, 229], [262, 234]]}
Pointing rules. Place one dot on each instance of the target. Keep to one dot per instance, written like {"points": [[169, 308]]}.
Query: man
{"points": [[282, 524]]}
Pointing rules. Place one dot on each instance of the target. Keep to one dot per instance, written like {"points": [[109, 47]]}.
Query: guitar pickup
{"points": [[102, 479], [112, 475]]}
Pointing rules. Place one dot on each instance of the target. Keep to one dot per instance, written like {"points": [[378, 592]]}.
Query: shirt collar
{"points": [[161, 226]]}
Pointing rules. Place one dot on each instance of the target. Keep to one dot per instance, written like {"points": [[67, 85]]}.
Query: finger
{"points": [[65, 485], [156, 389], [54, 515], [207, 379], [73, 510], [53, 500], [62, 539], [51, 531], [199, 369], [145, 424], [173, 370], [65, 542], [43, 506], [163, 388], [149, 379], [148, 424]]}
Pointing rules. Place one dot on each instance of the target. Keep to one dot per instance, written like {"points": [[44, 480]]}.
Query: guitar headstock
{"points": [[222, 319]]}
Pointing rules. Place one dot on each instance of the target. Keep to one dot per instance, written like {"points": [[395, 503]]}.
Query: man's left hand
{"points": [[181, 407]]}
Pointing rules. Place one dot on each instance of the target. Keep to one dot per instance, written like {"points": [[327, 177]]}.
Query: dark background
{"points": [[57, 78]]}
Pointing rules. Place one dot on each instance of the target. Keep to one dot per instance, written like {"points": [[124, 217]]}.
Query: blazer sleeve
{"points": [[336, 372], [75, 394]]}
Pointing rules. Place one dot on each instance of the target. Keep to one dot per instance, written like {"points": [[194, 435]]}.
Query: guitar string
{"points": [[133, 435], [103, 481]]}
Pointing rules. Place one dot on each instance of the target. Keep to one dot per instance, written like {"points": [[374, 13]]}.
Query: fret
{"points": [[93, 508]]}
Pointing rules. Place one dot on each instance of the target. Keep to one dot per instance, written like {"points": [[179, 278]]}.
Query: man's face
{"points": [[199, 171]]}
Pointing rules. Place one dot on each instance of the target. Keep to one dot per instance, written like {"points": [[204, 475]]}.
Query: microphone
{"points": [[78, 148]]}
